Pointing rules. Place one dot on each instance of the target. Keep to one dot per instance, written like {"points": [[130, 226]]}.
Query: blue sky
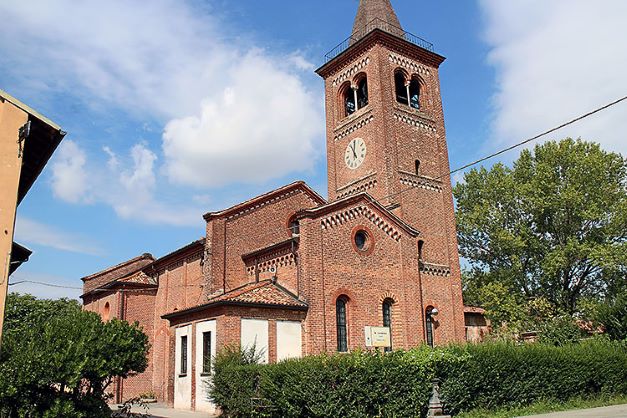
{"points": [[183, 107]]}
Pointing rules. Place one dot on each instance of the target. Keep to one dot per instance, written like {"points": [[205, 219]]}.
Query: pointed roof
{"points": [[375, 14]]}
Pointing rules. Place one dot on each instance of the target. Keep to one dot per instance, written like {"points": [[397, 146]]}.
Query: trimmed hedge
{"points": [[364, 384], [360, 384], [496, 375]]}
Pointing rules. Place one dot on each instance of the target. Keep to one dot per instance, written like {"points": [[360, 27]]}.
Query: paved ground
{"points": [[618, 411], [162, 411]]}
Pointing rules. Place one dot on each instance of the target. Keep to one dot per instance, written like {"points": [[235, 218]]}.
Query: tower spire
{"points": [[377, 14]]}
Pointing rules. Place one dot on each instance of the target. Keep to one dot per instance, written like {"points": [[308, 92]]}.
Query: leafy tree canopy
{"points": [[58, 360], [553, 227]]}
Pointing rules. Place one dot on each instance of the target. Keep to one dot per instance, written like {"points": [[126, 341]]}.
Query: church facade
{"points": [[296, 274]]}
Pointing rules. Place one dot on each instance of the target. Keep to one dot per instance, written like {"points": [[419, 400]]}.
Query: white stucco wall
{"points": [[288, 340], [202, 382], [183, 384], [255, 332]]}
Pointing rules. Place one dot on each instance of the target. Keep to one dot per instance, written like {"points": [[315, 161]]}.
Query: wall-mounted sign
{"points": [[378, 337]]}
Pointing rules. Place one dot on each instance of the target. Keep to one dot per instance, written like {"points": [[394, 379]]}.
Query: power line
{"points": [[519, 144], [526, 141], [45, 284], [488, 157]]}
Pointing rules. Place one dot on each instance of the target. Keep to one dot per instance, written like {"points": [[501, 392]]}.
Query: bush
{"points": [[496, 375], [58, 360], [364, 384], [361, 384]]}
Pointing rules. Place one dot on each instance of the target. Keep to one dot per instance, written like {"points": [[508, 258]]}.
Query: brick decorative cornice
{"points": [[358, 186], [340, 218], [351, 125], [414, 118], [351, 71], [434, 269], [266, 199], [410, 65], [427, 183], [266, 262], [357, 200], [278, 255]]}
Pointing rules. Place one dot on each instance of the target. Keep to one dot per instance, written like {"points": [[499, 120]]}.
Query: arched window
{"points": [[387, 318], [429, 325], [414, 93], [418, 167], [106, 313], [362, 92], [340, 317], [400, 84], [348, 99], [421, 248]]}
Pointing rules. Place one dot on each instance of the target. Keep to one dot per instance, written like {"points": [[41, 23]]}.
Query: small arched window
{"points": [[340, 317], [421, 249], [429, 325], [387, 318], [106, 313], [414, 93], [348, 99], [362, 92], [400, 84], [418, 167]]}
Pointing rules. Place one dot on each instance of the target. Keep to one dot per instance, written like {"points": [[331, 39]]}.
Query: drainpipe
{"points": [[121, 309]]}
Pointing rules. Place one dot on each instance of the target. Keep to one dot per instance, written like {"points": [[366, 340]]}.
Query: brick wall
{"points": [[396, 136], [247, 230]]}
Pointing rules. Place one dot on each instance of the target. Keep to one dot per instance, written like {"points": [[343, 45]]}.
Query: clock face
{"points": [[355, 153]]}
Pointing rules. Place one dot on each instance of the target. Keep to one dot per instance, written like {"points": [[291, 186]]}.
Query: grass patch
{"points": [[545, 407]]}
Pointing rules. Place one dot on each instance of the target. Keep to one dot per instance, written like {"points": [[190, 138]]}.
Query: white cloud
{"points": [[68, 181], [131, 192], [37, 233], [261, 127], [555, 60], [233, 112]]}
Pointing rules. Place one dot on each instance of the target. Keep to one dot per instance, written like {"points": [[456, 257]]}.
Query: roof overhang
{"points": [[19, 255], [211, 305], [119, 285], [43, 139], [298, 185]]}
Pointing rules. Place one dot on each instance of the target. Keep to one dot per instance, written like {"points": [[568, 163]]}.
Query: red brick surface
{"points": [[249, 246]]}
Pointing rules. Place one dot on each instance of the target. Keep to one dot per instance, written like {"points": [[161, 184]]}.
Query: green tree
{"points": [[58, 360], [612, 314], [553, 226]]}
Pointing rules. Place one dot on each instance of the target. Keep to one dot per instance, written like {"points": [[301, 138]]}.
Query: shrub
{"points": [[361, 384], [57, 360], [502, 374], [364, 384]]}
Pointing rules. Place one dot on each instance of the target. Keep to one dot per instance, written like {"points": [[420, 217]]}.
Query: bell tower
{"points": [[385, 133]]}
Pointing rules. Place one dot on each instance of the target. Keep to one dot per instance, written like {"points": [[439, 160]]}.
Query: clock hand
{"points": [[353, 148]]}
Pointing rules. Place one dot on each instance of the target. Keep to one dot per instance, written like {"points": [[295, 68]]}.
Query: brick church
{"points": [[295, 273]]}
